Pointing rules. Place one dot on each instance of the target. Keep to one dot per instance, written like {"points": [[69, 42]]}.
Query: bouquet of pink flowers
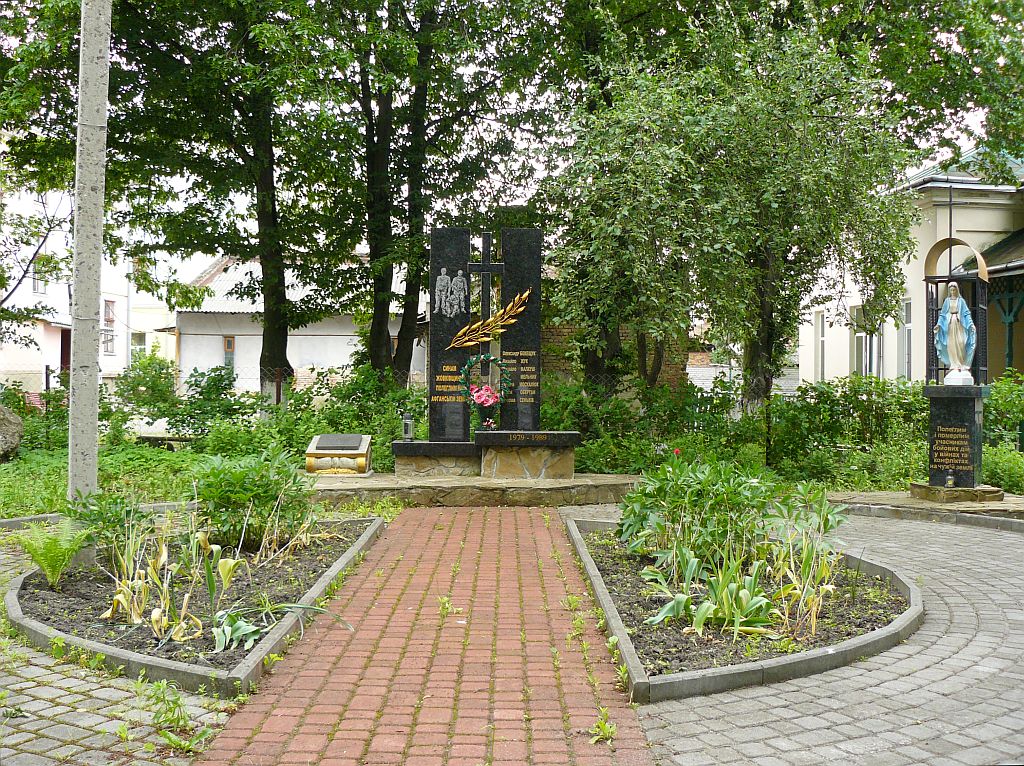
{"points": [[484, 396], [484, 399]]}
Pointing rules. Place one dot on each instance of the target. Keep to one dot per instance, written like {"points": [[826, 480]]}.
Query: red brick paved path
{"points": [[494, 683]]}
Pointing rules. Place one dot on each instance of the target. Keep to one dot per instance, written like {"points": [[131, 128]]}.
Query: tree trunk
{"points": [[762, 342], [597, 361], [90, 183], [379, 232], [274, 356], [649, 372], [417, 202]]}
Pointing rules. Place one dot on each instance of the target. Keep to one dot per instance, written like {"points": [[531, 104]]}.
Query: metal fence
{"points": [[273, 382]]}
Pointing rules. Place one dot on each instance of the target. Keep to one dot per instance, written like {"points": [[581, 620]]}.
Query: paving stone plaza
{"points": [[503, 677]]}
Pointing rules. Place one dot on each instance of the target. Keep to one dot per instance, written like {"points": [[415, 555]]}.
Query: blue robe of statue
{"points": [[942, 334]]}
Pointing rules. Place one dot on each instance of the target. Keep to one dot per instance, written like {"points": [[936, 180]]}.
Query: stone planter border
{"points": [[20, 522], [985, 520], [226, 683], [644, 688]]}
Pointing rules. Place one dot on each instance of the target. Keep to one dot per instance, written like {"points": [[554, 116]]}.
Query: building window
{"points": [[138, 343], [229, 351], [819, 345], [38, 285], [107, 331], [867, 347], [906, 343]]}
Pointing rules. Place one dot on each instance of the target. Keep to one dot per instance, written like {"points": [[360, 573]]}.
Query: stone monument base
{"points": [[528, 454], [425, 458], [982, 493], [493, 454], [528, 463]]}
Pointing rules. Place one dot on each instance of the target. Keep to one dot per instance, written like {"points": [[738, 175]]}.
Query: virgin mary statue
{"points": [[955, 334]]}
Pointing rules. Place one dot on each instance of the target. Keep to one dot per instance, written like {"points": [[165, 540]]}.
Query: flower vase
{"points": [[488, 417]]}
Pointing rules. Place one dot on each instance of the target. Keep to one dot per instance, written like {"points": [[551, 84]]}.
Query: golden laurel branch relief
{"points": [[489, 329]]}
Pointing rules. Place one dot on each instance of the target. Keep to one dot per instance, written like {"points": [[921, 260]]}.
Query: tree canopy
{"points": [[734, 189], [290, 132]]}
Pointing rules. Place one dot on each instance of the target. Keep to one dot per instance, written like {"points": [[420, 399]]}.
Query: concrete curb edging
{"points": [[20, 522], [1001, 523], [188, 676], [644, 688]]}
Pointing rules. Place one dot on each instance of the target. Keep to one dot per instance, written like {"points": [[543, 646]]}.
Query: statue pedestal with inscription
{"points": [[954, 445]]}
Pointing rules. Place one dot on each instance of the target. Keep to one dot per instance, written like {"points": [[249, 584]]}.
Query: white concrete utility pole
{"points": [[90, 178]]}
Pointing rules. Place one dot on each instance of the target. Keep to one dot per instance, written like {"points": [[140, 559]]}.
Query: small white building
{"points": [[954, 203], [128, 321], [225, 331]]}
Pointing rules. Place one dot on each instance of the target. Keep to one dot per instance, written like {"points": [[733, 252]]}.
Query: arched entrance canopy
{"points": [[931, 261]]}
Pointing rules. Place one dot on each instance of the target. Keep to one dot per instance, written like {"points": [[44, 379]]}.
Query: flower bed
{"points": [[669, 662], [184, 591], [714, 566], [68, 619]]}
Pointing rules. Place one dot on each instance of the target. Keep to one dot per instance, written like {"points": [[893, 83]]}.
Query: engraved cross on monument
{"points": [[485, 268]]}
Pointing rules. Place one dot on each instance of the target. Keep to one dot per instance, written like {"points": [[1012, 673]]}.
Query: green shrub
{"points": [[567, 406], [858, 410], [52, 548], [1004, 408], [889, 466], [245, 499], [146, 387], [210, 397], [675, 410], [1003, 466], [45, 427]]}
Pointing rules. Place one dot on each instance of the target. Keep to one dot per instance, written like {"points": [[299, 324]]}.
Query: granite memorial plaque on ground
{"points": [[449, 313], [520, 343]]}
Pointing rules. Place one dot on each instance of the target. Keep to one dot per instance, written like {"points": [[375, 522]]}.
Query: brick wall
{"points": [[556, 347]]}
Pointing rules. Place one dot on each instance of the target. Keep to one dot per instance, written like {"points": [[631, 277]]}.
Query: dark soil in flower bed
{"points": [[859, 605], [86, 593]]}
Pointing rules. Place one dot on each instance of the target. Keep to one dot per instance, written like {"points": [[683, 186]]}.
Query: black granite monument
{"points": [[449, 448], [954, 435], [449, 313], [520, 343]]}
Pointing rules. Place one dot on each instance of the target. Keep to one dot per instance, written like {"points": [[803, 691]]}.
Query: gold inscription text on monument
{"points": [[951, 449]]}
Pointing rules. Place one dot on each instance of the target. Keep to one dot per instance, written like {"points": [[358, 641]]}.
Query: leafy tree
{"points": [[24, 255], [620, 252], [440, 95], [744, 188], [215, 143], [952, 74], [287, 132]]}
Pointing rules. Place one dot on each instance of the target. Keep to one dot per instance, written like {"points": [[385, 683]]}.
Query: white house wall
{"points": [[329, 343], [981, 218]]}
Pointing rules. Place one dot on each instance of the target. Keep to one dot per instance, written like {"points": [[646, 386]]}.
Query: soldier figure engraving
{"points": [[442, 287], [458, 295]]}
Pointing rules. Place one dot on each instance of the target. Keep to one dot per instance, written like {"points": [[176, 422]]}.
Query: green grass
{"points": [[36, 481]]}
